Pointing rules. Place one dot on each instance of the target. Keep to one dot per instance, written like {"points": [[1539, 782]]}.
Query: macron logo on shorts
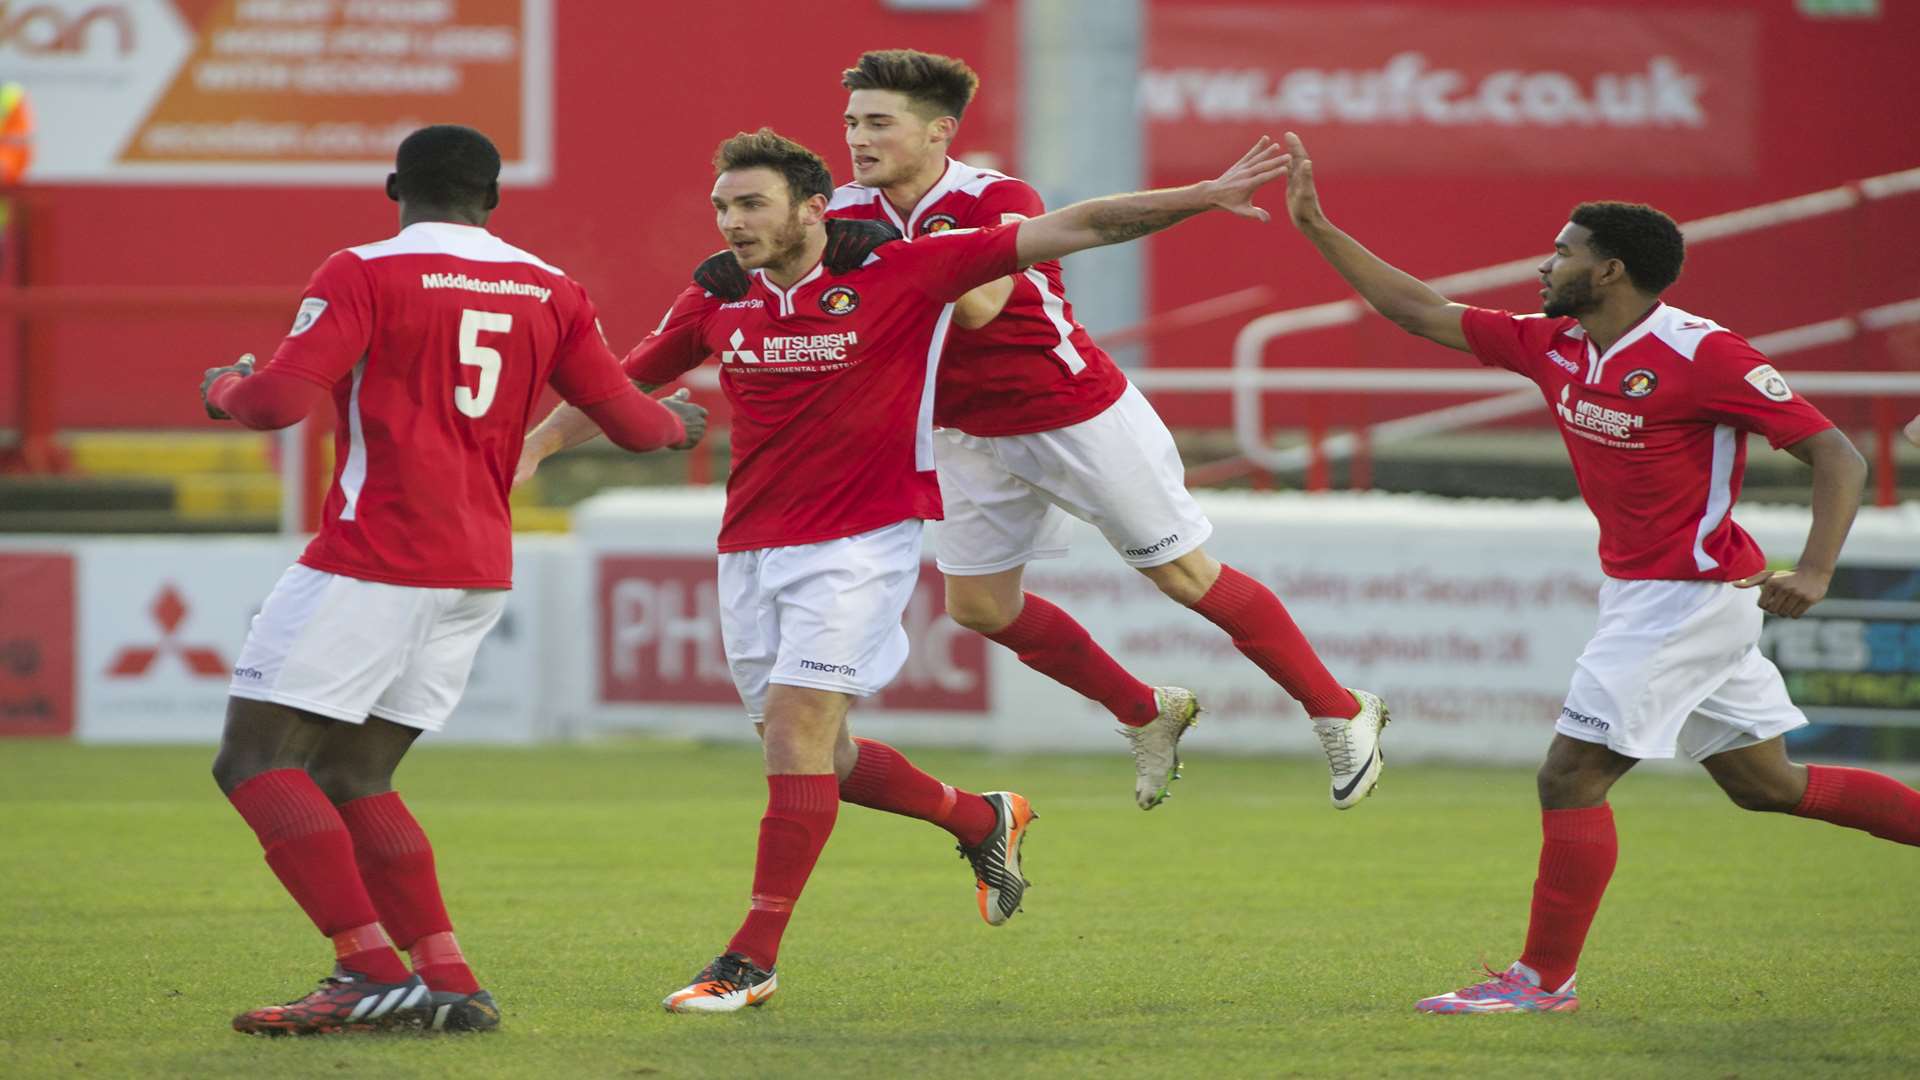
{"points": [[831, 669], [1584, 719], [1159, 545]]}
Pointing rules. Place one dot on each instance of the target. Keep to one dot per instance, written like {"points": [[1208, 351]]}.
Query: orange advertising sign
{"points": [[293, 91]]}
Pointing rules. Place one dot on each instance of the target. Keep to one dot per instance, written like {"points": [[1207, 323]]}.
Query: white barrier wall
{"points": [[1466, 616], [157, 623]]}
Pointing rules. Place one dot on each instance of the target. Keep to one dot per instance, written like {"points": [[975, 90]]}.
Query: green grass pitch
{"points": [[1244, 929]]}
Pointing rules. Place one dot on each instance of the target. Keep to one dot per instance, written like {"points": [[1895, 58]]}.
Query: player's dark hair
{"points": [[446, 165], [806, 174], [1645, 240], [935, 85]]}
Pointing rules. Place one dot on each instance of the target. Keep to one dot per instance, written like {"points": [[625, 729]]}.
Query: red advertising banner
{"points": [[1404, 89], [659, 640], [36, 644]]}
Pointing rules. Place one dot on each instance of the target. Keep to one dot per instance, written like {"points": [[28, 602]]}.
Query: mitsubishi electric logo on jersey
{"points": [[791, 349], [1599, 423]]}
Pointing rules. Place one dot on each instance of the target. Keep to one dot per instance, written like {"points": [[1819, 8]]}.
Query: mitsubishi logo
{"points": [[168, 610], [738, 354]]}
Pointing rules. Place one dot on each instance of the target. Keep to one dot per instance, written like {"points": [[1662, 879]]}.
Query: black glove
{"points": [[243, 368], [723, 276], [851, 240]]}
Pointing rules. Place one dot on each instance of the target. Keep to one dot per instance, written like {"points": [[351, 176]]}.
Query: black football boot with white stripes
{"points": [[998, 885]]}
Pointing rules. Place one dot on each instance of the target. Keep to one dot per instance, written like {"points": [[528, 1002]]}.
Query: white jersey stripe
{"points": [[923, 425], [1719, 494], [446, 238], [353, 475], [1056, 311]]}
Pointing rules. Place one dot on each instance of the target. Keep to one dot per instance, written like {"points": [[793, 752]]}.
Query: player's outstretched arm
{"points": [[1409, 302], [1839, 476], [1116, 219]]}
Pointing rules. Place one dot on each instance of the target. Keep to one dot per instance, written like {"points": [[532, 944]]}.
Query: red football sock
{"points": [[1577, 854], [1858, 799], [396, 862], [310, 851], [1262, 629], [1050, 642], [799, 818], [884, 779]]}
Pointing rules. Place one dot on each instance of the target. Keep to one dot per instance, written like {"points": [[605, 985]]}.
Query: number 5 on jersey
{"points": [[475, 403]]}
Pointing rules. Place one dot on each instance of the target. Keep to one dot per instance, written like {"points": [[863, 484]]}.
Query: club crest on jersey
{"points": [[839, 300], [1770, 383], [937, 223], [1639, 383], [309, 313]]}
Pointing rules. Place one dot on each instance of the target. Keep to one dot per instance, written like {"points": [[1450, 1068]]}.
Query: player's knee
{"points": [[979, 611], [343, 782], [1750, 793], [1567, 789], [1184, 580], [234, 766]]}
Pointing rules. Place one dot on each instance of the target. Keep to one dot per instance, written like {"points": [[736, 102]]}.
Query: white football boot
{"points": [[1156, 744], [1353, 749]]}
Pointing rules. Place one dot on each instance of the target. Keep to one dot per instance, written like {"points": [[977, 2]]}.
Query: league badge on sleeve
{"points": [[309, 313], [1770, 383]]}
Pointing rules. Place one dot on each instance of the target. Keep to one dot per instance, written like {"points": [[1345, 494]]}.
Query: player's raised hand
{"points": [[694, 417], [1303, 199], [1788, 593], [242, 367], [1233, 190]]}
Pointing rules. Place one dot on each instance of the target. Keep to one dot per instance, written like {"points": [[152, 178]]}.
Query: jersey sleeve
{"points": [[1739, 387], [586, 372], [334, 324], [946, 266], [678, 344], [1004, 201], [1504, 340]]}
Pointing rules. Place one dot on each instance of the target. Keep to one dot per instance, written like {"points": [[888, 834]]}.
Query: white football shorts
{"points": [[825, 615], [1677, 664], [347, 649], [1008, 497]]}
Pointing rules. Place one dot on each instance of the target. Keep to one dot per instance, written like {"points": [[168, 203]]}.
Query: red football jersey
{"points": [[1656, 427], [436, 345], [831, 384], [1031, 369]]}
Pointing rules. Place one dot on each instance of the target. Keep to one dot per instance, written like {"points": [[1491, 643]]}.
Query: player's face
{"points": [[1566, 278], [757, 216], [890, 143]]}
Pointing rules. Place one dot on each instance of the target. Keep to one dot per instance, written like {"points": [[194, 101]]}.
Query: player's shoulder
{"points": [[854, 200], [469, 242], [1699, 340], [1532, 326], [989, 185]]}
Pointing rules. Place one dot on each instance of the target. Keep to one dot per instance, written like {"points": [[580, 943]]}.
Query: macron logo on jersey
{"points": [[791, 349], [496, 287]]}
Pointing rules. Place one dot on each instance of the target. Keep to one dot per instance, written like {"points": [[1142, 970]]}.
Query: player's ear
{"points": [[493, 196], [945, 128], [393, 186], [814, 210]]}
